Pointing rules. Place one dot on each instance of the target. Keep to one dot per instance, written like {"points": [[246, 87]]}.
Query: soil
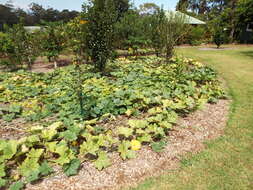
{"points": [[41, 66], [216, 49], [188, 136]]}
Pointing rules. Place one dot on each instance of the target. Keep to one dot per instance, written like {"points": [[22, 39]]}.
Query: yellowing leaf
{"points": [[49, 134], [129, 112], [56, 125], [137, 123], [124, 150], [103, 161], [127, 132], [135, 145]]}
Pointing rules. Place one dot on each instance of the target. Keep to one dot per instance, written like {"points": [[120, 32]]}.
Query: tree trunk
{"points": [[55, 64], [231, 36]]}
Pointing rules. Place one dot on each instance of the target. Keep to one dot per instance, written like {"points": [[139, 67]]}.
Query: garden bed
{"points": [[187, 137], [75, 119]]}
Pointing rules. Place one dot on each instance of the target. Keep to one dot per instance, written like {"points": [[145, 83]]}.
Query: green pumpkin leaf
{"points": [[45, 169], [145, 138], [49, 134], [90, 122], [90, 147], [172, 117], [71, 134], [165, 125], [25, 167], [138, 124], [34, 176], [7, 149], [127, 132], [103, 161], [17, 186], [65, 153], [2, 182], [14, 108], [2, 170], [35, 153], [33, 139], [155, 119], [158, 146], [56, 125], [31, 161], [154, 111], [124, 151], [9, 117], [71, 168]]}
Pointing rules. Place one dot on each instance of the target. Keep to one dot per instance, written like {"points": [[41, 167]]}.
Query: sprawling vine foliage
{"points": [[78, 133]]}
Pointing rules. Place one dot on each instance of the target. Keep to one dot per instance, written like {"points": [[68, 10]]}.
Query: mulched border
{"points": [[187, 137]]}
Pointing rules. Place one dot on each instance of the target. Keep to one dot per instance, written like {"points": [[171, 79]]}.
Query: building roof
{"points": [[188, 19], [32, 28]]}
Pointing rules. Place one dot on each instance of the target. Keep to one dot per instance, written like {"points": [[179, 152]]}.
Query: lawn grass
{"points": [[227, 162]]}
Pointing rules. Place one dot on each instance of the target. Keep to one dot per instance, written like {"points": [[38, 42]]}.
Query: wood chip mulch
{"points": [[188, 136]]}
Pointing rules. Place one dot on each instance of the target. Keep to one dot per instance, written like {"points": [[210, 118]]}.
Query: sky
{"points": [[76, 4]]}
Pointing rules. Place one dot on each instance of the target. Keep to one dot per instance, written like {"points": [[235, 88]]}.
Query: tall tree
{"points": [[101, 15], [148, 8], [182, 5]]}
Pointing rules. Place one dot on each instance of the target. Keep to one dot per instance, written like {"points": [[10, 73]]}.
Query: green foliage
{"points": [[19, 46], [2, 182], [7, 149], [76, 32], [158, 146], [17, 186], [173, 29], [124, 150], [196, 35], [103, 161], [157, 21], [218, 37], [69, 140], [45, 169], [127, 132], [52, 41], [31, 161], [72, 168], [101, 16], [43, 95]]}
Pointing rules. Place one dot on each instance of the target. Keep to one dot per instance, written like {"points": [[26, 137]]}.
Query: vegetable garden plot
{"points": [[151, 95]]}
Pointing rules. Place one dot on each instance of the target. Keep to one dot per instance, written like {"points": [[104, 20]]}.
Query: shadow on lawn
{"points": [[248, 53]]}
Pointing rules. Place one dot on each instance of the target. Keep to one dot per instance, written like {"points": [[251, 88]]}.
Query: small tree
{"points": [[19, 46], [53, 41], [166, 29], [101, 15], [7, 50], [76, 31], [156, 26], [218, 36], [172, 28]]}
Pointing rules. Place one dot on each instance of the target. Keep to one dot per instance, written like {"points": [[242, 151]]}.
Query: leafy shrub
{"points": [[136, 43], [18, 46], [52, 41], [76, 32], [174, 28], [101, 15], [196, 35], [218, 37], [157, 37]]}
